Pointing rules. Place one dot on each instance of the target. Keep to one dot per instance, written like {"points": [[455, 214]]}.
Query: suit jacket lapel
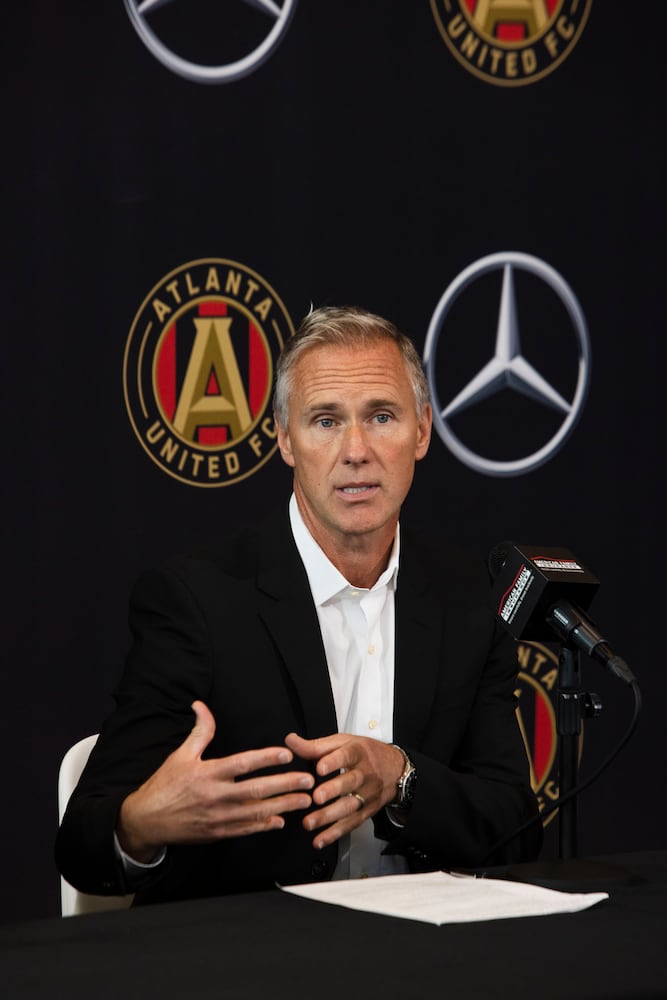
{"points": [[418, 642], [286, 606]]}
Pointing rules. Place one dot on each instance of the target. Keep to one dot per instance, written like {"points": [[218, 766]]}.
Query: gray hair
{"points": [[344, 326]]}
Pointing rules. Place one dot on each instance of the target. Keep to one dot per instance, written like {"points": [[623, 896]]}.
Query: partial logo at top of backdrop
{"points": [[511, 42], [498, 411], [210, 42], [198, 371]]}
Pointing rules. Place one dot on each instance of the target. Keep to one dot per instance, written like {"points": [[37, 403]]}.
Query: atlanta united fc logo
{"points": [[198, 371], [536, 686], [511, 42]]}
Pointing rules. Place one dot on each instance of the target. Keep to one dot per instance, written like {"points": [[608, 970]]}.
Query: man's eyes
{"points": [[328, 422]]}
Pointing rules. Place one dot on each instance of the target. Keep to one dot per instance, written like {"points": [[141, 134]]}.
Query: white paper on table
{"points": [[442, 898]]}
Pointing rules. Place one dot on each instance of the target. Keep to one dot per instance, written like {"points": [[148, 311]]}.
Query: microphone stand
{"points": [[570, 872], [571, 709]]}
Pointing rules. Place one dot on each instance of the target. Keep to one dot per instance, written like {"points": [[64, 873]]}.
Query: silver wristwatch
{"points": [[406, 784]]}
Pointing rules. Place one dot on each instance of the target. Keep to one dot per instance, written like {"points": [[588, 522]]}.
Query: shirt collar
{"points": [[325, 580]]}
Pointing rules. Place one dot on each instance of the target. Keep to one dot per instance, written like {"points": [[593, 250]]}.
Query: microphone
{"points": [[539, 591]]}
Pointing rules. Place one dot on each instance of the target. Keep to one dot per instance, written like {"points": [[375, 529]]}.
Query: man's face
{"points": [[352, 439]]}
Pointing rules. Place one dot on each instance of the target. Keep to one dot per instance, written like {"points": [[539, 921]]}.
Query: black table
{"points": [[274, 945]]}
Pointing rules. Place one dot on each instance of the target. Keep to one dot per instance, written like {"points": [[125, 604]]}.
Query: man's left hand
{"points": [[365, 775]]}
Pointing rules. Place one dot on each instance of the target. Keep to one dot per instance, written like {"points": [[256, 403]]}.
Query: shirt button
{"points": [[371, 649], [354, 593], [373, 724]]}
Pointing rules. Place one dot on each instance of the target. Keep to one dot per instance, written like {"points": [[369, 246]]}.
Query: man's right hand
{"points": [[189, 800]]}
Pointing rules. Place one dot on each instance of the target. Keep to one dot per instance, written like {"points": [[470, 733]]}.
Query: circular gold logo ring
{"points": [[510, 43], [198, 371]]}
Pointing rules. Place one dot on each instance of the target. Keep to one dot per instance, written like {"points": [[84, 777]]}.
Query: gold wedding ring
{"points": [[360, 799]]}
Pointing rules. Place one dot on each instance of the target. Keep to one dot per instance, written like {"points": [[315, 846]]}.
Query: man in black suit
{"points": [[353, 699]]}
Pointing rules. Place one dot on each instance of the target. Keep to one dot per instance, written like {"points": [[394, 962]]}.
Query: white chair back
{"points": [[72, 901]]}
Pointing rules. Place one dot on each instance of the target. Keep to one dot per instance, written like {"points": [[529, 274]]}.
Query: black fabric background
{"points": [[360, 164]]}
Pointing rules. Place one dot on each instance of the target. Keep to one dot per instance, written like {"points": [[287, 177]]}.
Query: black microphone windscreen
{"points": [[498, 557]]}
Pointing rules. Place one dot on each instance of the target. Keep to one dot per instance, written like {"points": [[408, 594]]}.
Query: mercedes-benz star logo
{"points": [[277, 19], [508, 368]]}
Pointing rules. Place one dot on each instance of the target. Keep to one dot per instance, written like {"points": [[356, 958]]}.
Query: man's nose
{"points": [[355, 445]]}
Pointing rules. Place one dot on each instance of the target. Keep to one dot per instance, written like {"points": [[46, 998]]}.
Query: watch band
{"points": [[405, 786]]}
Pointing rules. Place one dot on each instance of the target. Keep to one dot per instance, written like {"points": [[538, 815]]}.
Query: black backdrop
{"points": [[360, 163]]}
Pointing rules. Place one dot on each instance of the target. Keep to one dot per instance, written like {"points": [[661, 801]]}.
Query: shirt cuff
{"points": [[136, 868]]}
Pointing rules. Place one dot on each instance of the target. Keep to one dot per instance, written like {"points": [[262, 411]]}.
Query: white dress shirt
{"points": [[357, 627]]}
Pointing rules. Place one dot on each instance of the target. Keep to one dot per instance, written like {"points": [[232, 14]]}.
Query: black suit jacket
{"points": [[236, 627]]}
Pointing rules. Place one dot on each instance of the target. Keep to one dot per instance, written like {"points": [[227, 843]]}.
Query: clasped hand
{"points": [[189, 800], [364, 773]]}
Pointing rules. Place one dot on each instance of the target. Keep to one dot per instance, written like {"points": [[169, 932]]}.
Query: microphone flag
{"points": [[529, 580]]}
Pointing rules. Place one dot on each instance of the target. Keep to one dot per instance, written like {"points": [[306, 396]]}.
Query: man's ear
{"points": [[424, 433], [284, 444]]}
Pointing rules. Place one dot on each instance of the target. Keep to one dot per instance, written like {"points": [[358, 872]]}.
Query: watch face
{"points": [[410, 787]]}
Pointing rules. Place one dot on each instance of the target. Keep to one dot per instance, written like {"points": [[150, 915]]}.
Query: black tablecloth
{"points": [[277, 945]]}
